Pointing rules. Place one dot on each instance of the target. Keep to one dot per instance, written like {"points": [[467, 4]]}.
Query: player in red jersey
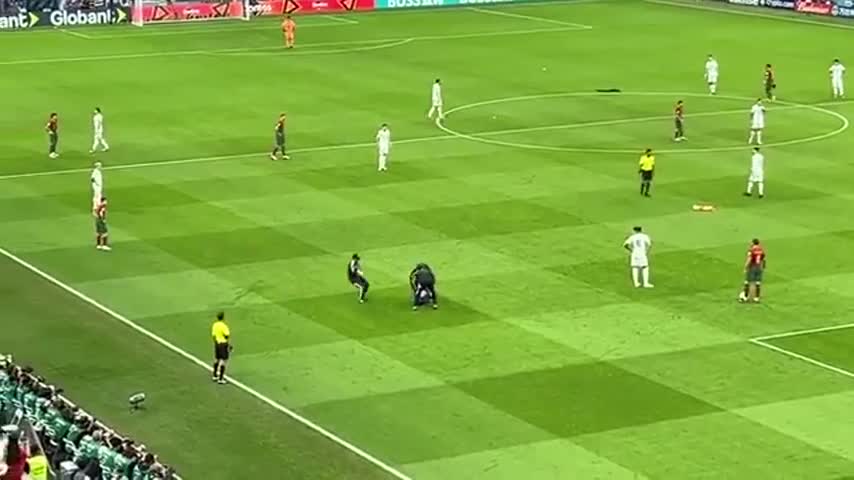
{"points": [[101, 232], [679, 121], [770, 82], [52, 129], [289, 28], [754, 266], [279, 146]]}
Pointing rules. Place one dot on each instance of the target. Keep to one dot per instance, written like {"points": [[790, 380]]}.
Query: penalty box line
{"points": [[765, 341], [204, 365], [500, 13], [802, 357], [181, 53]]}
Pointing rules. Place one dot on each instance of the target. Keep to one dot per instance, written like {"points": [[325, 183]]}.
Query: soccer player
{"points": [[222, 348], [357, 278], [712, 74], [757, 173], [101, 231], [679, 121], [52, 129], [289, 28], [383, 147], [436, 105], [646, 167], [837, 75], [757, 122], [770, 82], [279, 146], [423, 283], [97, 181], [98, 132], [754, 266], [639, 244]]}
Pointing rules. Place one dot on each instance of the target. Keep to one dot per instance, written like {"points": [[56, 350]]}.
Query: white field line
{"points": [[797, 333], [735, 11], [810, 360], [204, 365], [127, 56], [501, 13], [324, 52], [208, 30], [347, 146], [76, 34], [342, 19]]}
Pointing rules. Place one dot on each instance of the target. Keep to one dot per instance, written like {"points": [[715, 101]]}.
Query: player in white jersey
{"points": [[98, 132], [712, 74], [97, 181], [436, 99], [757, 173], [383, 147], [757, 122], [639, 244], [837, 79]]}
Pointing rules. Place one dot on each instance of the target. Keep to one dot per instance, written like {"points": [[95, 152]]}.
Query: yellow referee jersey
{"points": [[647, 163], [220, 332]]}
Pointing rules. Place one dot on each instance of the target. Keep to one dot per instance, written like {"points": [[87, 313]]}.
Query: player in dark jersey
{"points": [[679, 121], [101, 231], [770, 82], [357, 278], [754, 267], [423, 283], [279, 146], [52, 129]]}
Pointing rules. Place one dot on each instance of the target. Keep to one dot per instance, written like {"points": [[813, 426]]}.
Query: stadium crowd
{"points": [[42, 425]]}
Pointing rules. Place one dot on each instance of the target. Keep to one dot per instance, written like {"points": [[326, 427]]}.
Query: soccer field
{"points": [[543, 361]]}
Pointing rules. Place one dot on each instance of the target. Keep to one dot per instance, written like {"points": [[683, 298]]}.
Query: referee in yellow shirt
{"points": [[646, 167], [222, 347]]}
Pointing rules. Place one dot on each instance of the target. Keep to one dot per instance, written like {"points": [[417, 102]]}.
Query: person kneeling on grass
{"points": [[423, 284]]}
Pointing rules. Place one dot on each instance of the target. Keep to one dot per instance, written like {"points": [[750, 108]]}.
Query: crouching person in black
{"points": [[357, 278], [423, 284]]}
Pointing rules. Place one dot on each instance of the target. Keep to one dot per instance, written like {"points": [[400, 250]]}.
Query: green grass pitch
{"points": [[543, 362]]}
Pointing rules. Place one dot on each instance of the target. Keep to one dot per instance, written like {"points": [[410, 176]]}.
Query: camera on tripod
{"points": [[136, 401]]}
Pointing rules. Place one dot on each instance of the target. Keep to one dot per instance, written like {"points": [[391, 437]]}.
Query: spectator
{"points": [[88, 451], [16, 456], [122, 463], [143, 468], [37, 464]]}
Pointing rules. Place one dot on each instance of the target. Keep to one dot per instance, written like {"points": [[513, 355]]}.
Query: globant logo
{"points": [[751, 3], [61, 18], [11, 22]]}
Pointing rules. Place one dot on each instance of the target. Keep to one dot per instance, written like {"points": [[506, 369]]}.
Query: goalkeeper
{"points": [[423, 284]]}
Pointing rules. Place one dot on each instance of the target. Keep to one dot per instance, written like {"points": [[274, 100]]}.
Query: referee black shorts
{"points": [[646, 175], [221, 351]]}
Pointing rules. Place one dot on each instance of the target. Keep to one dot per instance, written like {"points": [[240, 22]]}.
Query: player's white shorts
{"points": [[383, 150], [712, 78], [836, 83], [97, 193], [757, 124], [437, 103], [757, 176], [639, 261]]}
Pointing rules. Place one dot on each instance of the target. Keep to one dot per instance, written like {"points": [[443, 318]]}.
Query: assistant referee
{"points": [[222, 347], [646, 167]]}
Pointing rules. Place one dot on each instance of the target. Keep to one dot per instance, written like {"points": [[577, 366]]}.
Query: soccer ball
{"points": [[742, 297]]}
